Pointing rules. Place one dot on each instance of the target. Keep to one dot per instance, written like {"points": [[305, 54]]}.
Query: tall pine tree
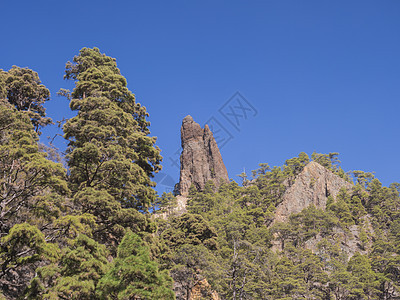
{"points": [[111, 156], [109, 147], [32, 189]]}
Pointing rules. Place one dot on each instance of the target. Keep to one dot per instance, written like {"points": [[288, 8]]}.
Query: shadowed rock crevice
{"points": [[201, 160]]}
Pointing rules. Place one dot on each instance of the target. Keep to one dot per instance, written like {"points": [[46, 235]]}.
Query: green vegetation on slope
{"points": [[87, 232], [70, 235], [347, 251]]}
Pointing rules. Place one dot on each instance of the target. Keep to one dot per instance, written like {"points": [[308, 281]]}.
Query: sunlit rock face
{"points": [[312, 186], [201, 160]]}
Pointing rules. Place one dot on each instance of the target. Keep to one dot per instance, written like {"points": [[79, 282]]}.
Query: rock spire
{"points": [[201, 160]]}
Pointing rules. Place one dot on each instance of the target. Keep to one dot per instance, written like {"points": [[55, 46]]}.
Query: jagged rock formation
{"points": [[312, 186], [201, 160]]}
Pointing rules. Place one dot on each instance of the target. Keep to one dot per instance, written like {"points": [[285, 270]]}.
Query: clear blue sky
{"points": [[322, 75]]}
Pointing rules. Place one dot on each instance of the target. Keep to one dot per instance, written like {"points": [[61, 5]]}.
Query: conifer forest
{"points": [[87, 222]]}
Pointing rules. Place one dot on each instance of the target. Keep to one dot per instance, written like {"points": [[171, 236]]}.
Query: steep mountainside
{"points": [[299, 231], [99, 230]]}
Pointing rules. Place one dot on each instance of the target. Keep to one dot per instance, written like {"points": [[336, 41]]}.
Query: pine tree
{"points": [[341, 208], [24, 90], [110, 156], [32, 192], [190, 264], [295, 165], [75, 275], [166, 203], [365, 279], [329, 161], [109, 147], [30, 183], [189, 229], [21, 250], [386, 263], [133, 275], [3, 90]]}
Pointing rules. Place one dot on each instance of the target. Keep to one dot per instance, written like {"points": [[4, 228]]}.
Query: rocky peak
{"points": [[312, 186], [201, 160]]}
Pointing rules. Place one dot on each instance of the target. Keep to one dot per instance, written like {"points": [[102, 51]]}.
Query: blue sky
{"points": [[321, 76]]}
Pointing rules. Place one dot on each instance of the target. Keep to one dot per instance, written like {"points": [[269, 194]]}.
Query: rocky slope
{"points": [[312, 186], [201, 160]]}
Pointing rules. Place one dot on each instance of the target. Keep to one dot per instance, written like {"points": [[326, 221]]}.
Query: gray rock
{"points": [[201, 160], [312, 186]]}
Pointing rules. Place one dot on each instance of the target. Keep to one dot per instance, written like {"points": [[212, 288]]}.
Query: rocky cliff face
{"points": [[312, 186], [201, 160]]}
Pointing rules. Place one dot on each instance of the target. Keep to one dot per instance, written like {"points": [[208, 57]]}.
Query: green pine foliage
{"points": [[26, 173], [59, 230], [295, 165], [331, 162], [93, 231], [109, 147], [32, 194], [166, 203], [110, 156], [262, 259], [24, 90], [133, 275], [25, 245], [74, 275]]}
